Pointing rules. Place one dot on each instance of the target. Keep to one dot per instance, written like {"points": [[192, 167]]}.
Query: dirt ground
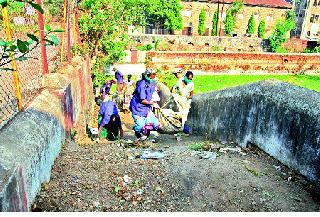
{"points": [[111, 176]]}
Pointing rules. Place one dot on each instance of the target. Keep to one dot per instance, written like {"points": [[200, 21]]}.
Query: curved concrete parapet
{"points": [[29, 146], [280, 118], [32, 140]]}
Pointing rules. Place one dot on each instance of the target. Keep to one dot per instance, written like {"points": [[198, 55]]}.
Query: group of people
{"points": [[143, 101]]}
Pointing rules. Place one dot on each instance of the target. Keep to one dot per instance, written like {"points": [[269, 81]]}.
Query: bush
{"points": [[215, 20], [229, 23], [262, 29], [145, 47], [251, 25], [278, 37]]}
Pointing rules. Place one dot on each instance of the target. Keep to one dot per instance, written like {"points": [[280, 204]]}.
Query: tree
{"points": [[202, 22], [251, 25], [262, 29], [278, 36], [104, 24], [229, 22], [163, 12], [215, 20]]}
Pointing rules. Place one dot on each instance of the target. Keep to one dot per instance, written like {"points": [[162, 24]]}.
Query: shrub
{"points": [[215, 21], [202, 21], [251, 25], [262, 29], [278, 37]]}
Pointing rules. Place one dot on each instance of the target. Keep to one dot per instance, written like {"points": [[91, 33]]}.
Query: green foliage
{"points": [[104, 24], [278, 37], [215, 20], [54, 7], [216, 48], [18, 47], [262, 29], [157, 43], [196, 147], [145, 47], [229, 22], [251, 25], [166, 12], [202, 22]]}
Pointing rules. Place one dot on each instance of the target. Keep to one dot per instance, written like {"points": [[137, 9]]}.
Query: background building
{"points": [[268, 10], [307, 12]]}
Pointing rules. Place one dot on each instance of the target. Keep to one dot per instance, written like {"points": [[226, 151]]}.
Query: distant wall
{"points": [[202, 43], [243, 62], [281, 119], [30, 143]]}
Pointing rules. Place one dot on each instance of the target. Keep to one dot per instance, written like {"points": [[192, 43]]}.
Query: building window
{"points": [[240, 16], [256, 16], [186, 13], [316, 18], [312, 18], [269, 18], [315, 4]]}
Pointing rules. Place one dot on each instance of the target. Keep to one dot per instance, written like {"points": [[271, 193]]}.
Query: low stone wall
{"points": [[202, 43], [242, 62], [30, 143], [281, 119]]}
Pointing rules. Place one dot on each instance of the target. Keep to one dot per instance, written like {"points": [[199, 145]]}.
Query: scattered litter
{"points": [[140, 191], [236, 149], [74, 178], [152, 155], [127, 179], [207, 155], [277, 167], [96, 204]]}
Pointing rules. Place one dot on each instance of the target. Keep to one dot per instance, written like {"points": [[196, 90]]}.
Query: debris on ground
{"points": [[152, 155]]}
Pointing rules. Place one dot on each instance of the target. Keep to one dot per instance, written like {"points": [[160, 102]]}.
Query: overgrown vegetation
{"points": [[202, 22], [262, 29], [279, 34], [251, 25]]}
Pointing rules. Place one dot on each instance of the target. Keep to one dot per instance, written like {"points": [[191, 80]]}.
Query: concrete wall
{"points": [[30, 143], [281, 119], [243, 62]]}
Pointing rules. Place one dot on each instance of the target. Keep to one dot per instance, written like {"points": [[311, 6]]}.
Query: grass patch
{"points": [[208, 83], [196, 147]]}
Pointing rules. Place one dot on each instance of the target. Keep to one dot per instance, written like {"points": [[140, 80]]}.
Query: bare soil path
{"points": [[111, 176]]}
